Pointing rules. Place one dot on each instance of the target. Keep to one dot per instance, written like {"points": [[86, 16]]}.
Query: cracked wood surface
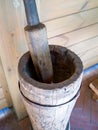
{"points": [[84, 115], [49, 106]]}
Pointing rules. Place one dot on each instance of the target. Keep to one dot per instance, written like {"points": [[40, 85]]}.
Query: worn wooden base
{"points": [[67, 128]]}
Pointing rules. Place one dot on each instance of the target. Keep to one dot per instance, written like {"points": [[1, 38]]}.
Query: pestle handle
{"points": [[38, 44], [31, 12]]}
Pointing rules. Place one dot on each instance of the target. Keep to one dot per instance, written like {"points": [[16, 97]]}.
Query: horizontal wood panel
{"points": [[87, 55], [91, 62], [72, 22], [86, 50], [85, 46], [57, 8], [69, 39]]}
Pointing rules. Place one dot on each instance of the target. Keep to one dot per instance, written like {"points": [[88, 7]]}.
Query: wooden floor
{"points": [[84, 115]]}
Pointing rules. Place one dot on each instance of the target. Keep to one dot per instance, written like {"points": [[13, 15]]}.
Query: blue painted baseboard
{"points": [[90, 69]]}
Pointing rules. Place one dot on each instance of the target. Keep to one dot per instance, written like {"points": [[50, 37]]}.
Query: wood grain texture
{"points": [[50, 10], [87, 50], [12, 38], [71, 23], [71, 38], [3, 100], [12, 46], [49, 105], [1, 93], [40, 53], [49, 117], [85, 114], [4, 86], [9, 120], [91, 61], [38, 43], [85, 46], [87, 55]]}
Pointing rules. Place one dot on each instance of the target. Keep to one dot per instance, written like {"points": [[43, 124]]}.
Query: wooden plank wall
{"points": [[70, 23], [12, 46], [5, 99]]}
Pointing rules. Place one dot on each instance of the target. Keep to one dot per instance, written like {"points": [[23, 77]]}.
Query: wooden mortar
{"points": [[49, 106]]}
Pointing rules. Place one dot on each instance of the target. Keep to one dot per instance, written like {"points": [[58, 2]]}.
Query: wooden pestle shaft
{"points": [[38, 44]]}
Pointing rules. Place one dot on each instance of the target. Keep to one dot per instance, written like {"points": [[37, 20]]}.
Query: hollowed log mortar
{"points": [[49, 105]]}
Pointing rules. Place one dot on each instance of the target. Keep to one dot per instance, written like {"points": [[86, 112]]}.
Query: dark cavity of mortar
{"points": [[63, 67]]}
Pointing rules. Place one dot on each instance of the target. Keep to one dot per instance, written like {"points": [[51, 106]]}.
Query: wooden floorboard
{"points": [[85, 113], [83, 117]]}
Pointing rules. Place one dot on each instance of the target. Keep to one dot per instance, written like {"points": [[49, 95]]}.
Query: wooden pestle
{"points": [[38, 44]]}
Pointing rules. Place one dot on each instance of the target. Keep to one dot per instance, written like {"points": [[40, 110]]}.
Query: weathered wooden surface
{"points": [[86, 45], [80, 25], [49, 105], [38, 43], [46, 118], [40, 53], [84, 116]]}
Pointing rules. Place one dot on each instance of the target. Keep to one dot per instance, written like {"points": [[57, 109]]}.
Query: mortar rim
{"points": [[65, 83]]}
